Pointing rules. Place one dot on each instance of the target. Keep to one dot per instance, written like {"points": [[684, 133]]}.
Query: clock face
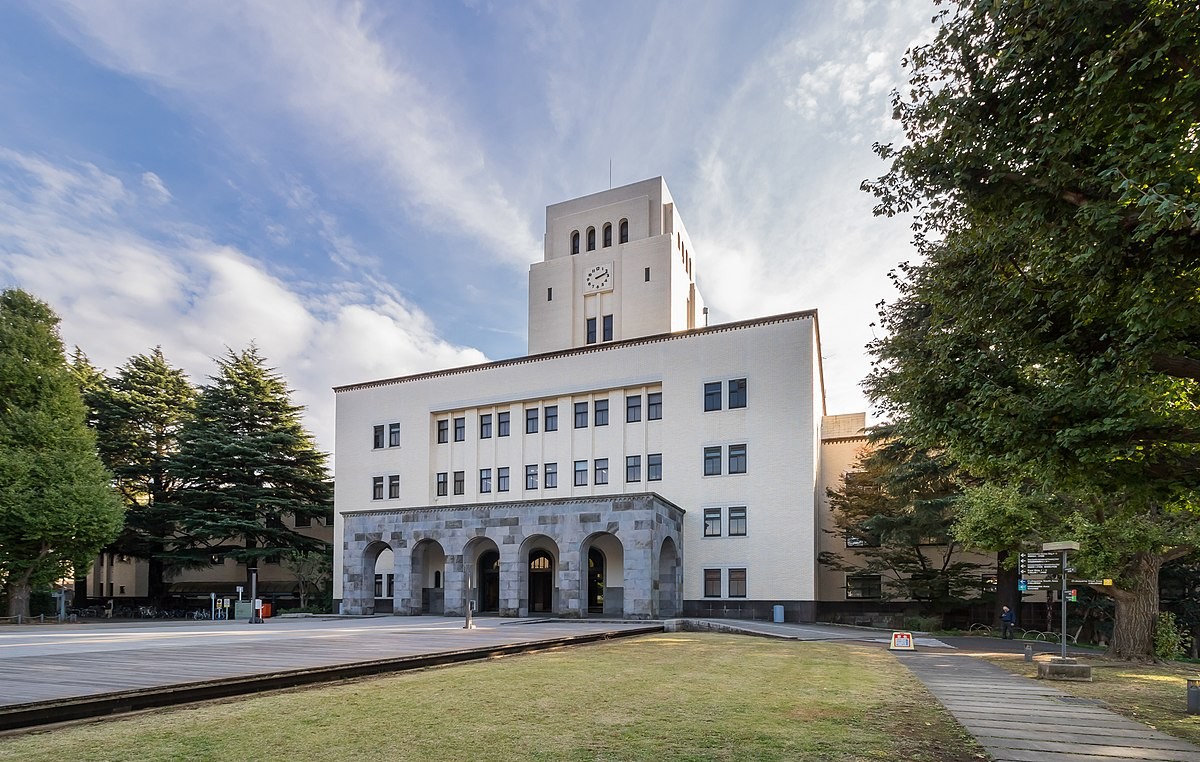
{"points": [[599, 278]]}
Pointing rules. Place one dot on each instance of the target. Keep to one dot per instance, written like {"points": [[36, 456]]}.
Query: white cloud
{"points": [[70, 237], [316, 73], [155, 184]]}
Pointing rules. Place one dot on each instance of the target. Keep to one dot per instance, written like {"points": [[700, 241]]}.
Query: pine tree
{"points": [[57, 508], [138, 416], [248, 464]]}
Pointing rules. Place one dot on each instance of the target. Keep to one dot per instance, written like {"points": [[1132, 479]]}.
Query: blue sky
{"points": [[361, 188]]}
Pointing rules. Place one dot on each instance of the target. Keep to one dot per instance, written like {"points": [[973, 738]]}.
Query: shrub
{"points": [[1168, 638]]}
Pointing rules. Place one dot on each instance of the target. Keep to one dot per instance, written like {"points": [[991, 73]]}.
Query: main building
{"points": [[638, 462]]}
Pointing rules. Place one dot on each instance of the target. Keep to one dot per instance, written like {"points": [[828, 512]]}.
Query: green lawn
{"points": [[686, 696]]}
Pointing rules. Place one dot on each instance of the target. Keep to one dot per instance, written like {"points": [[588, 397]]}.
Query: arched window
{"points": [[591, 239], [607, 234], [437, 579], [624, 232], [539, 560], [574, 241]]}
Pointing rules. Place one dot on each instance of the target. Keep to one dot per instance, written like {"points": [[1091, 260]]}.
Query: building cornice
{"points": [[604, 347], [591, 500]]}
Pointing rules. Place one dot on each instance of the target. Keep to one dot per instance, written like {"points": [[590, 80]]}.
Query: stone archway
{"points": [[603, 586], [427, 577], [668, 579], [481, 560], [539, 566], [372, 590]]}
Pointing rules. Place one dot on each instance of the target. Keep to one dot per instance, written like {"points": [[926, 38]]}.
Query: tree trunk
{"points": [[1136, 611], [1006, 587], [18, 596]]}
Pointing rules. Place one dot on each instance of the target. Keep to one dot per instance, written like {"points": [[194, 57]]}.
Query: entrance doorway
{"points": [[595, 595], [541, 582], [489, 582]]}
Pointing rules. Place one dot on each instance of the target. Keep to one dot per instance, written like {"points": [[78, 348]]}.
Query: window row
{"points": [[393, 487], [713, 460], [607, 236], [737, 583], [547, 418], [596, 473], [713, 521], [386, 435], [737, 394]]}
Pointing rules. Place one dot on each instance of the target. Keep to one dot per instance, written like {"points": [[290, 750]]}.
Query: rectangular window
{"points": [[737, 393], [633, 468], [391, 585], [531, 420], [501, 424], [460, 429], [647, 274], [712, 396], [737, 521], [377, 488], [737, 459], [549, 294], [581, 415], [305, 521], [378, 585], [443, 431], [485, 426], [633, 409], [551, 416], [393, 435], [601, 471], [712, 522], [864, 586], [442, 484], [550, 475], [737, 583], [601, 412], [606, 329], [712, 583], [712, 461], [460, 482], [654, 406], [654, 467], [502, 479], [393, 486], [581, 473], [591, 330], [378, 436], [531, 477], [485, 480]]}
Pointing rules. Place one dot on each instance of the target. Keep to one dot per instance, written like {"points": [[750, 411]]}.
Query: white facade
{"points": [[634, 409]]}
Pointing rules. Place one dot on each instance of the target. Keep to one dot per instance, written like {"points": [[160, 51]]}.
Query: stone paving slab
{"points": [[1018, 719]]}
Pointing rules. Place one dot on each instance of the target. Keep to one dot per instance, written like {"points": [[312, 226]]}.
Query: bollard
{"points": [[1193, 695], [1028, 652]]}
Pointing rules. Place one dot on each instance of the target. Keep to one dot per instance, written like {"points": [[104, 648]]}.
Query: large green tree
{"points": [[248, 465], [1050, 333], [57, 508], [138, 416], [894, 513]]}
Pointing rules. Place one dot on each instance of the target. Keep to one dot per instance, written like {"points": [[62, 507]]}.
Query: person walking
{"points": [[1008, 618]]}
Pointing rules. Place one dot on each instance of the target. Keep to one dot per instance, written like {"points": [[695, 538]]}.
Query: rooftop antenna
{"points": [[610, 174]]}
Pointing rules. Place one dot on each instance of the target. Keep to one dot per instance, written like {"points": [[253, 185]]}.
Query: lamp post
{"points": [[254, 615], [1063, 547]]}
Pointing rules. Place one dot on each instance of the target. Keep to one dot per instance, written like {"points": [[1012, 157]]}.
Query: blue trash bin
{"points": [[779, 613]]}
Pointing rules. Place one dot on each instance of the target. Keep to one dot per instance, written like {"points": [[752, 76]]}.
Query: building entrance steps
{"points": [[1017, 719]]}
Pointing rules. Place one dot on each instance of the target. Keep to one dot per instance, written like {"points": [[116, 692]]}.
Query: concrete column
{"points": [[639, 573], [514, 581], [570, 583]]}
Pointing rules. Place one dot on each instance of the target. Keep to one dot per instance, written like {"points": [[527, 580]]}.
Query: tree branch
{"points": [[1176, 365]]}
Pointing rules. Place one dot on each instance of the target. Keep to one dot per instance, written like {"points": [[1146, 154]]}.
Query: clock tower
{"points": [[617, 265]]}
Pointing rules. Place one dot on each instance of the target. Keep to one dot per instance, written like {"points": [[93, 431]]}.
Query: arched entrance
{"points": [[428, 565], [541, 582], [603, 586], [668, 576], [595, 581], [487, 573], [381, 578]]}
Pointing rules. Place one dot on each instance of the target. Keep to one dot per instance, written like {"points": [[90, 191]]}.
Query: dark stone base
{"points": [[1058, 669], [793, 611]]}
